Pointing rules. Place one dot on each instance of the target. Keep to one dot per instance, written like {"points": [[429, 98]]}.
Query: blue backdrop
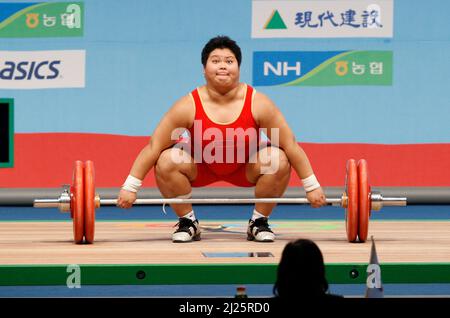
{"points": [[141, 56]]}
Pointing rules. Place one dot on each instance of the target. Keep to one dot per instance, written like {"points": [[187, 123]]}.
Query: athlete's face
{"points": [[222, 68]]}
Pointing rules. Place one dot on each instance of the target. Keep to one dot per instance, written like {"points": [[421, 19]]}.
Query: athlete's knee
{"points": [[285, 165], [172, 160], [165, 163], [273, 160]]}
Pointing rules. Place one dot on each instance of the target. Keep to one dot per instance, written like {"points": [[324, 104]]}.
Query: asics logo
{"points": [[28, 70]]}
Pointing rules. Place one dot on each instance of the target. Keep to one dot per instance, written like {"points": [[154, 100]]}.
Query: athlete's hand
{"points": [[316, 198], [126, 199]]}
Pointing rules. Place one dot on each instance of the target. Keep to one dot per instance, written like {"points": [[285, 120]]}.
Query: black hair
{"points": [[221, 42], [301, 271]]}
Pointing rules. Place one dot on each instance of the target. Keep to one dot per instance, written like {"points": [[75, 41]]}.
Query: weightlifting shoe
{"points": [[187, 231], [260, 231]]}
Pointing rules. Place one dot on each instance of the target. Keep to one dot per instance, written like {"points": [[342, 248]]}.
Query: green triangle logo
{"points": [[275, 22]]}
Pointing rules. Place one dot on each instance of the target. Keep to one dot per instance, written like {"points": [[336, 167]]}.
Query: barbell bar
{"points": [[357, 200], [63, 202]]}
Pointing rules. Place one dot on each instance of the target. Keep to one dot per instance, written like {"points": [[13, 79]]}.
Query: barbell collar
{"points": [[378, 201], [62, 203]]}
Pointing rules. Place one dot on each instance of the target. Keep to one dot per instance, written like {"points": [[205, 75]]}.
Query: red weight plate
{"points": [[89, 199], [77, 202], [364, 200], [351, 189]]}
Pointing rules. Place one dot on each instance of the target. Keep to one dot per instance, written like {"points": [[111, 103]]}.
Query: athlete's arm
{"points": [[268, 116], [180, 116]]}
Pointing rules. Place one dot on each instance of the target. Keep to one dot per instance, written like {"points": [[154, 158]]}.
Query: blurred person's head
{"points": [[301, 271]]}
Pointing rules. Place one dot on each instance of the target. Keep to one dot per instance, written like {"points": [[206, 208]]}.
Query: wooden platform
{"points": [[148, 242]]}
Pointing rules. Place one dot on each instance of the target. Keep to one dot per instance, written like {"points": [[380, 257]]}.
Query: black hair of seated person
{"points": [[301, 271]]}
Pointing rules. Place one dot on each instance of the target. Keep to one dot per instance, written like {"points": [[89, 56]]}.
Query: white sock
{"points": [[190, 215], [257, 215]]}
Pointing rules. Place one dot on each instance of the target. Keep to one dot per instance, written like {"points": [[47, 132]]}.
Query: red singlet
{"points": [[222, 150]]}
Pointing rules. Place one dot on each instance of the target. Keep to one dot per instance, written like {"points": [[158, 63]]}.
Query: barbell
{"points": [[81, 200]]}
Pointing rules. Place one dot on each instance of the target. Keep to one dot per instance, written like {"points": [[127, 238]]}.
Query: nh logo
{"points": [[282, 68]]}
